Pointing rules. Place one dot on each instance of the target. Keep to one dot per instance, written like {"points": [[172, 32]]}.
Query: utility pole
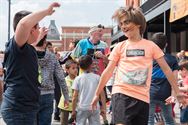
{"points": [[9, 13]]}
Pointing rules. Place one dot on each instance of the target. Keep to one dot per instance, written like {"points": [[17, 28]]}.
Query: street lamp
{"points": [[9, 12]]}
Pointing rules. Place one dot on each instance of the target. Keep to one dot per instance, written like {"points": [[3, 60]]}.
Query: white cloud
{"points": [[24, 5], [120, 3], [90, 1], [71, 13], [3, 31], [3, 25]]}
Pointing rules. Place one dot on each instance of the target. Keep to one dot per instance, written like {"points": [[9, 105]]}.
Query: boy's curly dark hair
{"points": [[85, 62]]}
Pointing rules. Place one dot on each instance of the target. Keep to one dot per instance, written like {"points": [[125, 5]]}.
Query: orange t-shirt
{"points": [[134, 67]]}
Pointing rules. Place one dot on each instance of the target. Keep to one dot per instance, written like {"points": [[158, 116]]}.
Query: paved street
{"points": [[108, 116]]}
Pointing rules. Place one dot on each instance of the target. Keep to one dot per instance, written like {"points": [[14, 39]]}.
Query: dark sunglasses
{"points": [[100, 26]]}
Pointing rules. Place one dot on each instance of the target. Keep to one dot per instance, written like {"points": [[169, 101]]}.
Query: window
{"points": [[142, 2]]}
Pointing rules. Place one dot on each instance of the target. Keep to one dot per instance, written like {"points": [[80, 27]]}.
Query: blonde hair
{"points": [[134, 15]]}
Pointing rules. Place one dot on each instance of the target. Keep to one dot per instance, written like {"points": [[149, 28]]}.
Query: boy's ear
{"points": [[32, 30], [66, 70]]}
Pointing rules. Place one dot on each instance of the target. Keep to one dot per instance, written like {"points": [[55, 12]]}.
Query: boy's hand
{"points": [[103, 112], [94, 102], [51, 8], [170, 100], [66, 104], [99, 54], [42, 32], [1, 72], [73, 114]]}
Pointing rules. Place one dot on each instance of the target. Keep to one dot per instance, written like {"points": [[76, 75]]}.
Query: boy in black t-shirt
{"points": [[21, 97]]}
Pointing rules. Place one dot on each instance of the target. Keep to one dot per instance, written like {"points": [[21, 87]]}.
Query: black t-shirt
{"points": [[160, 87], [21, 77]]}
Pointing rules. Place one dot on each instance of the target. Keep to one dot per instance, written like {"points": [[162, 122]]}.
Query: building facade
{"points": [[72, 33]]}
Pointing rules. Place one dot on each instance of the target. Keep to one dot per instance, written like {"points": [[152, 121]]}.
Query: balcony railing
{"points": [[150, 5]]}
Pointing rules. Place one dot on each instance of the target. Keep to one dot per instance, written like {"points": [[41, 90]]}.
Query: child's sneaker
{"points": [[105, 122], [56, 118], [71, 120]]}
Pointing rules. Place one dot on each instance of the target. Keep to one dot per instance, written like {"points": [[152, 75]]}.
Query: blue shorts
{"points": [[184, 115]]}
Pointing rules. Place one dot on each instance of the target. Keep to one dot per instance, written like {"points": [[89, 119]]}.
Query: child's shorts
{"points": [[129, 111], [184, 115], [92, 116]]}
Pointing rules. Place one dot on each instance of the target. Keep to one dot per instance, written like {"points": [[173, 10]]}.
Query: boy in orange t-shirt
{"points": [[133, 58]]}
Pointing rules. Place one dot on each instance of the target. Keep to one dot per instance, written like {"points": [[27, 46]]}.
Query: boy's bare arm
{"points": [[105, 76], [61, 79], [172, 80], [42, 32], [101, 55], [26, 24], [169, 74], [1, 90], [171, 99], [103, 100], [74, 102], [1, 84], [107, 73], [175, 72], [1, 72]]}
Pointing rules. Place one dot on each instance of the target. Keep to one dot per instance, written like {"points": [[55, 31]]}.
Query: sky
{"points": [[71, 13]]}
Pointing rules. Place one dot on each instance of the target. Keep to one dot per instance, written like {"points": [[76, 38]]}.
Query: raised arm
{"points": [[42, 32], [24, 27]]}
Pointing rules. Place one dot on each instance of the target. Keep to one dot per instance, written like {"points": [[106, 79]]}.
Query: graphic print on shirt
{"points": [[137, 76], [135, 52]]}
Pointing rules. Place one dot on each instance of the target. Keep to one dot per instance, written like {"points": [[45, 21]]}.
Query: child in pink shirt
{"points": [[133, 58], [184, 88]]}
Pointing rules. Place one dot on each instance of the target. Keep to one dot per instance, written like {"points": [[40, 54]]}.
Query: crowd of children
{"points": [[143, 76]]}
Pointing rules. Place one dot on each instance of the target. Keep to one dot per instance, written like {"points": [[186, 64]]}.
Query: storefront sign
{"points": [[179, 9]]}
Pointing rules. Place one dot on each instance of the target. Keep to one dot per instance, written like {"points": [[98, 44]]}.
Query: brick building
{"points": [[72, 33]]}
